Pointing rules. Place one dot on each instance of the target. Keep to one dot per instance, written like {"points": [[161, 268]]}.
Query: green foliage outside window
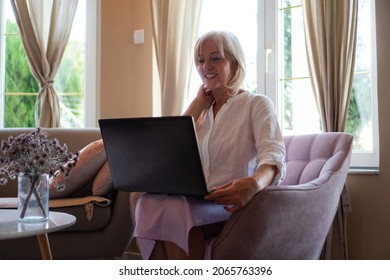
{"points": [[18, 109]]}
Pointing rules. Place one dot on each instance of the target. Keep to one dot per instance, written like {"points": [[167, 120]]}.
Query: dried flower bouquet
{"points": [[33, 154]]}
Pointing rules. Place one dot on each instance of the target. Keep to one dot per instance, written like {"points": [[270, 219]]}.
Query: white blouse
{"points": [[244, 135]]}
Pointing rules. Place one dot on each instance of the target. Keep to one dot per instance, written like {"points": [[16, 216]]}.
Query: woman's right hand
{"points": [[203, 100], [204, 97]]}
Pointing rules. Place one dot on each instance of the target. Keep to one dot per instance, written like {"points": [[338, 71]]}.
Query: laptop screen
{"points": [[154, 154]]}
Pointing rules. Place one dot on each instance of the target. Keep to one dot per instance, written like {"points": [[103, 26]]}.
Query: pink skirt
{"points": [[170, 218]]}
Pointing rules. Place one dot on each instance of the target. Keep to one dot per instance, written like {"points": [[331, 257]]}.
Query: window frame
{"points": [[2, 58], [92, 63]]}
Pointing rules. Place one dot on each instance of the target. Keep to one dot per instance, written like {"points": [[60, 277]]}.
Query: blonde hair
{"points": [[229, 44]]}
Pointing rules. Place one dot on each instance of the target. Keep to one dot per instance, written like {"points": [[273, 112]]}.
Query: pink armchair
{"points": [[291, 221]]}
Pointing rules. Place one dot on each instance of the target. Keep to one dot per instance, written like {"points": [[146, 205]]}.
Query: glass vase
{"points": [[33, 197]]}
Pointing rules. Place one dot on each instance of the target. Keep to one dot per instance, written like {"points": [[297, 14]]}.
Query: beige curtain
{"points": [[330, 31], [45, 26], [175, 26]]}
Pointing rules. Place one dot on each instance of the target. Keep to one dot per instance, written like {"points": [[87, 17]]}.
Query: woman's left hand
{"points": [[235, 194]]}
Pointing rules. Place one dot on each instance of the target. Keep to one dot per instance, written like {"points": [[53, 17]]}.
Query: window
{"points": [[296, 102], [272, 35], [74, 82]]}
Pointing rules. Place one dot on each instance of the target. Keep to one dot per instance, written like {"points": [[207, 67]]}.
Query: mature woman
{"points": [[242, 153]]}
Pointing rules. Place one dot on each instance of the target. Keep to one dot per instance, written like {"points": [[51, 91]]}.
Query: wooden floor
{"points": [[132, 253]]}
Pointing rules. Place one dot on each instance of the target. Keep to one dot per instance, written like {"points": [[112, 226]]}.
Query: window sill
{"points": [[363, 171]]}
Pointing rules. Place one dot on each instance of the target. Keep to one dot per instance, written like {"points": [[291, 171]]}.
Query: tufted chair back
{"points": [[314, 157]]}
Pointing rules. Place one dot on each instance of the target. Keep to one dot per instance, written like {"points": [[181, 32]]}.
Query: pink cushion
{"points": [[102, 184], [91, 159]]}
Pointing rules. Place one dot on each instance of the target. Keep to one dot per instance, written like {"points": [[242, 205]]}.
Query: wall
{"points": [[126, 69], [369, 222], [126, 90]]}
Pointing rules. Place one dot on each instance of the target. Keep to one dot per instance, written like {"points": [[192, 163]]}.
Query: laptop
{"points": [[154, 155]]}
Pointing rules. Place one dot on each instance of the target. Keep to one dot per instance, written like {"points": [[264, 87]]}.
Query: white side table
{"points": [[10, 227]]}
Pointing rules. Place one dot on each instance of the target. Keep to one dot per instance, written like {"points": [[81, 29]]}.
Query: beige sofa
{"points": [[103, 228]]}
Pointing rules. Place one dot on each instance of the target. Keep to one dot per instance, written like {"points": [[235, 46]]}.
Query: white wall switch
{"points": [[139, 36]]}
